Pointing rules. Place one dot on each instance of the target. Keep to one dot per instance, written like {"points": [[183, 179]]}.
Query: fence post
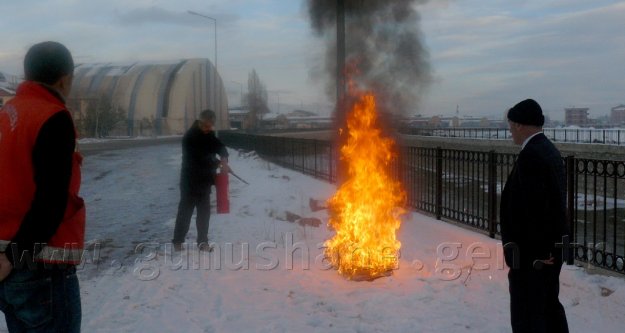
{"points": [[283, 151], [492, 193], [315, 156], [293, 154], [330, 166], [439, 183], [303, 151], [571, 205]]}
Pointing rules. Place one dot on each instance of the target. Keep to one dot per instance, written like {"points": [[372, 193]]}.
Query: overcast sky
{"points": [[485, 55]]}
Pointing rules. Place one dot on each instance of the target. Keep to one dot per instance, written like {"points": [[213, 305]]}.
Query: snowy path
{"points": [[132, 197]]}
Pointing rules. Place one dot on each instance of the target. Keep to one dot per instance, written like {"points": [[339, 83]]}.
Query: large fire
{"points": [[365, 211]]}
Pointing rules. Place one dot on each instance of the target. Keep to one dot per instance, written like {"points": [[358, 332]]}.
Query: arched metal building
{"points": [[159, 98]]}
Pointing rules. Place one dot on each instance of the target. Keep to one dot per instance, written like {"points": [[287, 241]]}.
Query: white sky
{"points": [[486, 55]]}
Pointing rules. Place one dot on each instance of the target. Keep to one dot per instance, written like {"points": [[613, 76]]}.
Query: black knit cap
{"points": [[527, 112]]}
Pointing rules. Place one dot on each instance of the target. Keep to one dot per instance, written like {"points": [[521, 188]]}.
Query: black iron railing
{"points": [[465, 187], [597, 205]]}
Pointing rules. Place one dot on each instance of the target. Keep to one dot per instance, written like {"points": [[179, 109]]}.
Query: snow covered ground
{"points": [[449, 279]]}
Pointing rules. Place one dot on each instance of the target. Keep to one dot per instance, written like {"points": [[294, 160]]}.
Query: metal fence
{"points": [[571, 135], [465, 187], [312, 157], [597, 206]]}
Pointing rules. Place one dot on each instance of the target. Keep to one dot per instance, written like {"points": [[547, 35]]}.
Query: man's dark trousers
{"points": [[41, 300], [189, 202], [534, 295]]}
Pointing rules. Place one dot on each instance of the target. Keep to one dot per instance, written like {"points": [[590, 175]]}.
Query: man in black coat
{"points": [[200, 148], [533, 223]]}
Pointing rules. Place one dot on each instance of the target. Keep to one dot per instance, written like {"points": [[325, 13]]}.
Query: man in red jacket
{"points": [[42, 218]]}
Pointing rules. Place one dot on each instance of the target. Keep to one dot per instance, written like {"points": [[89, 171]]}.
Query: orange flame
{"points": [[365, 211]]}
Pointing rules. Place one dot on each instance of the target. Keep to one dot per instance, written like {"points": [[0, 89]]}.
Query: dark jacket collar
{"points": [[196, 130], [538, 137]]}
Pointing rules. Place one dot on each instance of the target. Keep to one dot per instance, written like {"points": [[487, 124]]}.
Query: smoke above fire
{"points": [[384, 41]]}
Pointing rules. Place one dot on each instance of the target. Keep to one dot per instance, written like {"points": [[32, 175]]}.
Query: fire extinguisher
{"points": [[221, 183]]}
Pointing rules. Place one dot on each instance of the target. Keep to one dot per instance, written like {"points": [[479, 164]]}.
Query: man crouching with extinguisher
{"points": [[200, 148]]}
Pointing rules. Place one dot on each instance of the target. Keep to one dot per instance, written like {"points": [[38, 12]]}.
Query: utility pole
{"points": [[341, 105], [216, 99]]}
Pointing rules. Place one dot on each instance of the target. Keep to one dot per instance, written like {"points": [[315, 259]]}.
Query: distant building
{"points": [[237, 116], [436, 121], [158, 98], [455, 122], [419, 121], [8, 81], [296, 119], [301, 113], [617, 115], [577, 117], [8, 84], [275, 121], [5, 95], [485, 122]]}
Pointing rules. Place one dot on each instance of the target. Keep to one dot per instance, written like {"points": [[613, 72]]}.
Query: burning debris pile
{"points": [[365, 211], [380, 42]]}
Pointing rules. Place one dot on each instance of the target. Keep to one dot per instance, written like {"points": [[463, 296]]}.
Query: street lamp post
{"points": [[241, 86], [277, 92], [215, 101]]}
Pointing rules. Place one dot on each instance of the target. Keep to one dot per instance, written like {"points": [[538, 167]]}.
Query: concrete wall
{"points": [[594, 151]]}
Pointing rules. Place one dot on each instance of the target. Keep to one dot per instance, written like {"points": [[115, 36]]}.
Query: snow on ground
{"points": [[257, 279]]}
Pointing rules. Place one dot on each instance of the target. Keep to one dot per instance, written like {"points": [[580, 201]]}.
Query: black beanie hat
{"points": [[527, 112]]}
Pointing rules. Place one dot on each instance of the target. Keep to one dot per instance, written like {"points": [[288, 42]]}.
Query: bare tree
{"points": [[100, 116], [256, 100]]}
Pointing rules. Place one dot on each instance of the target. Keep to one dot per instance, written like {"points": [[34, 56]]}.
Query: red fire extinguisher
{"points": [[221, 183]]}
